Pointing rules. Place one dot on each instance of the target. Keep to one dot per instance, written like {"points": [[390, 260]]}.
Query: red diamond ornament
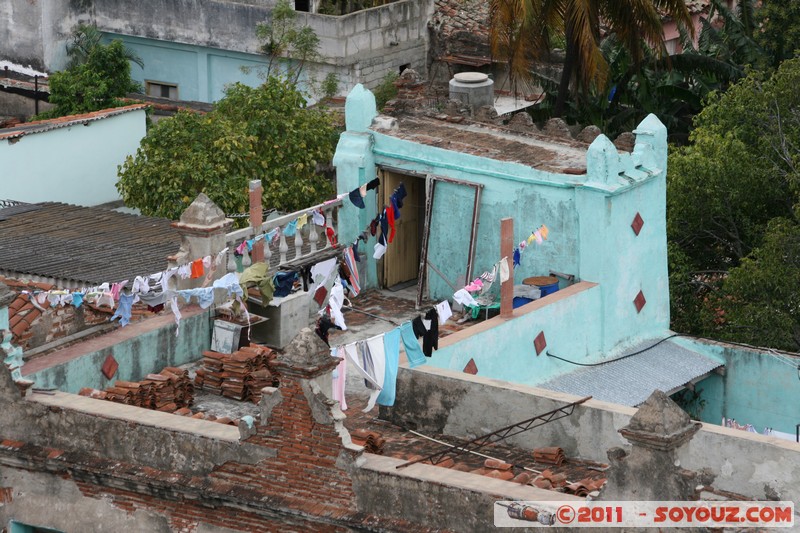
{"points": [[109, 367], [637, 224], [639, 302], [539, 343], [471, 367]]}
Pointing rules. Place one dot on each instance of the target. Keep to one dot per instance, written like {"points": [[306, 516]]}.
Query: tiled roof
{"points": [[22, 312], [630, 381], [40, 126], [83, 245]]}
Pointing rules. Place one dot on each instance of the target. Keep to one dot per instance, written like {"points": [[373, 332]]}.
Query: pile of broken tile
{"points": [[240, 375]]}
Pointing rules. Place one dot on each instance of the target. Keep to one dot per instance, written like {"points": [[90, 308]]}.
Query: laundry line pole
{"points": [[506, 254], [256, 220]]}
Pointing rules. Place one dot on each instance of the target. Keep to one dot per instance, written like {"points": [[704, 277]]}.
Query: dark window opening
{"points": [[403, 67], [302, 5]]}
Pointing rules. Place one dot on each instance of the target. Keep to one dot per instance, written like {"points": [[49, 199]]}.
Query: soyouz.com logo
{"points": [[739, 514]]}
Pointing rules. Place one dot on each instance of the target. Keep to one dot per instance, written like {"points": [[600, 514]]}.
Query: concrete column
{"points": [[651, 471], [507, 251], [256, 220], [202, 227]]}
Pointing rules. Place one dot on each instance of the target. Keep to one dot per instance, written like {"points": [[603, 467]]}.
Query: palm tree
{"points": [[523, 30], [86, 37]]}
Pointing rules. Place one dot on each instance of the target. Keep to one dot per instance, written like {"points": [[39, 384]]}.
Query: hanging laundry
{"points": [[363, 190], [395, 208], [241, 248], [374, 184], [257, 275], [324, 325], [290, 229], [390, 222], [411, 345], [357, 199], [379, 251], [373, 226], [318, 217], [376, 362], [302, 220], [335, 303], [391, 345], [355, 251], [321, 273], [505, 274], [399, 194], [185, 271], [207, 262], [173, 303], [77, 299], [384, 222], [430, 341], [140, 284], [220, 257], [444, 311], [464, 298], [516, 257], [319, 295], [154, 299], [197, 269], [116, 288], [352, 351], [331, 234], [350, 262], [123, 311], [340, 377], [204, 295], [249, 243]]}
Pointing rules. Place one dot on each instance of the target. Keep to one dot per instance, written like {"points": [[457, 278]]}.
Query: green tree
{"points": [[86, 38], [97, 83], [265, 133], [522, 30], [733, 205], [778, 29], [759, 302], [289, 46]]}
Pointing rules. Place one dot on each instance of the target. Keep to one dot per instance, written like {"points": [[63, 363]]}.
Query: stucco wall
{"points": [[504, 349], [759, 388], [76, 165], [433, 400], [144, 354]]}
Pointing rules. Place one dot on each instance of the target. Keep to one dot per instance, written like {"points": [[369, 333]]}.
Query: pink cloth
{"points": [[341, 375]]}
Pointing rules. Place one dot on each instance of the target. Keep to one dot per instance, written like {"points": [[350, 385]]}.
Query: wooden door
{"points": [[401, 262]]}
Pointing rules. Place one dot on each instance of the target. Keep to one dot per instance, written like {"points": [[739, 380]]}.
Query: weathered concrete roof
{"points": [[632, 380], [87, 245], [41, 126], [542, 152]]}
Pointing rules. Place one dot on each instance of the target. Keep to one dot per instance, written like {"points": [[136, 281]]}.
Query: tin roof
{"points": [[632, 380], [82, 245]]}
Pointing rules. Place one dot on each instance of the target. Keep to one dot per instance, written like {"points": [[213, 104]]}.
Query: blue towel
{"points": [[391, 345], [123, 311], [413, 349]]}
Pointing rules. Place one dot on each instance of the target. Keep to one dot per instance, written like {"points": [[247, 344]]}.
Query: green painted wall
{"points": [[201, 73], [148, 353], [75, 165]]}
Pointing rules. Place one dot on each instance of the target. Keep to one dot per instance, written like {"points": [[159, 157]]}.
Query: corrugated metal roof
{"points": [[65, 122], [630, 381], [87, 245]]}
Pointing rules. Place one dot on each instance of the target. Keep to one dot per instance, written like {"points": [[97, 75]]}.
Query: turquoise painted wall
{"points": [[201, 73], [148, 353], [506, 351], [589, 219], [76, 165], [3, 318], [758, 388]]}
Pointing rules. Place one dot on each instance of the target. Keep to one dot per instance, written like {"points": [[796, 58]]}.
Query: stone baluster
{"points": [[298, 243], [267, 250], [283, 248], [313, 235]]}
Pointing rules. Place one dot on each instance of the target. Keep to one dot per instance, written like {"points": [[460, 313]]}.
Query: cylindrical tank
{"points": [[473, 88]]}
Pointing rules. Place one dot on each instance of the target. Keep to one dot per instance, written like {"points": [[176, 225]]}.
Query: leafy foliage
{"points": [[733, 206], [386, 90], [264, 133], [289, 46], [95, 84], [778, 29]]}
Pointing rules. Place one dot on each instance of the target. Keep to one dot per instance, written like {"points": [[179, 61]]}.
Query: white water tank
{"points": [[473, 88]]}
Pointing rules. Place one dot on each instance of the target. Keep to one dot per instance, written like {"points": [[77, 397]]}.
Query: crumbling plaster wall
{"points": [[58, 503], [433, 400]]}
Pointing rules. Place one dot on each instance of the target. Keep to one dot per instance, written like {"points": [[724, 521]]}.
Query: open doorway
{"points": [[401, 261]]}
